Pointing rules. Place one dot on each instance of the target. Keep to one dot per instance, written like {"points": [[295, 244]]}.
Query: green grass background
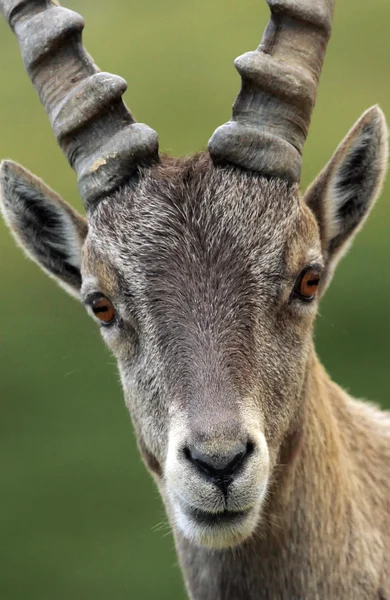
{"points": [[79, 515]]}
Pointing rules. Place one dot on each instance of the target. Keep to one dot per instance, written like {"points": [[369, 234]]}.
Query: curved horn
{"points": [[272, 113], [97, 133]]}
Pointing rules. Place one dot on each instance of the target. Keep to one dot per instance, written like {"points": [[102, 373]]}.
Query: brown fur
{"points": [[214, 347], [324, 532], [276, 482]]}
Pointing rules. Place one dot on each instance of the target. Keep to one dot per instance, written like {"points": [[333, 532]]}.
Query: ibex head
{"points": [[204, 273]]}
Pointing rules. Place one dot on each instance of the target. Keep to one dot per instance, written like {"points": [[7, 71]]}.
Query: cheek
{"points": [[122, 343], [281, 371], [150, 460], [149, 415]]}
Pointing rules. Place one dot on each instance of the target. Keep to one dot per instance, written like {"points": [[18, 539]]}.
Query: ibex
{"points": [[205, 275]]}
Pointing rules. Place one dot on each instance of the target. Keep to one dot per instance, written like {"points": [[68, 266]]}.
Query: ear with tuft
{"points": [[49, 230], [344, 192]]}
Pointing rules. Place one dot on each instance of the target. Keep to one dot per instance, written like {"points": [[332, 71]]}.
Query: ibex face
{"points": [[204, 273], [212, 338]]}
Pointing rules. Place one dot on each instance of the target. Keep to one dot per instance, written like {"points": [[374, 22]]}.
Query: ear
{"points": [[47, 228], [345, 191]]}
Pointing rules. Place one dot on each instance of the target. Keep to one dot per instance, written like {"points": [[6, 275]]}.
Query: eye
{"points": [[104, 310], [307, 284]]}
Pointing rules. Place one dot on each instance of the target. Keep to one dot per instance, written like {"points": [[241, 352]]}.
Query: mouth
{"points": [[216, 530], [226, 517], [204, 513]]}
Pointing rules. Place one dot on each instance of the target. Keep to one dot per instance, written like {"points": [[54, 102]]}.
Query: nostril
{"points": [[250, 448], [219, 466], [187, 453], [235, 462]]}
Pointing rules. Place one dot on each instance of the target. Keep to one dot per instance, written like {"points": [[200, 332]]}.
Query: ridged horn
{"points": [[272, 113], [93, 127]]}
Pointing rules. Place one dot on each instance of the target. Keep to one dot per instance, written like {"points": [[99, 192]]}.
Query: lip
{"points": [[226, 517]]}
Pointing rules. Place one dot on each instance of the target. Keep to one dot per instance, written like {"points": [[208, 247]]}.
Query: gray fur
{"points": [[212, 344], [203, 264]]}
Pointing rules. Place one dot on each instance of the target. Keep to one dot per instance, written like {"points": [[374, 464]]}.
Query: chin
{"points": [[219, 530]]}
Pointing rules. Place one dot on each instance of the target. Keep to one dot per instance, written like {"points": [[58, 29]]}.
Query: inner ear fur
{"points": [[49, 230], [346, 189]]}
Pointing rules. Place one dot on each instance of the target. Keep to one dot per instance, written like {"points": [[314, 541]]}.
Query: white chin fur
{"points": [[186, 492], [218, 536]]}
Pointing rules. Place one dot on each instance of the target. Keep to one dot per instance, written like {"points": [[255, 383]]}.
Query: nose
{"points": [[220, 468]]}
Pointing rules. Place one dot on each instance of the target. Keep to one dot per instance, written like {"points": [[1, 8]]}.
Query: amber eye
{"points": [[104, 310], [307, 283]]}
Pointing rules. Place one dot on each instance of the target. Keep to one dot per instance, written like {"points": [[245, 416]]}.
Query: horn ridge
{"points": [[279, 81], [93, 126]]}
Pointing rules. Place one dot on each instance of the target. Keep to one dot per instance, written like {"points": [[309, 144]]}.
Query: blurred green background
{"points": [[80, 518]]}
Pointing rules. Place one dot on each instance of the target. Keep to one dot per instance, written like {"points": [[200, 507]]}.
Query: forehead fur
{"points": [[190, 208], [190, 253], [187, 225]]}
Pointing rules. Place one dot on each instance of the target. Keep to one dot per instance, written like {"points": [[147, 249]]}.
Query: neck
{"points": [[307, 503]]}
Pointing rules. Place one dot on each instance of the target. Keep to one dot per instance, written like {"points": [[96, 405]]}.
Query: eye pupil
{"points": [[307, 284], [98, 309], [104, 310]]}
